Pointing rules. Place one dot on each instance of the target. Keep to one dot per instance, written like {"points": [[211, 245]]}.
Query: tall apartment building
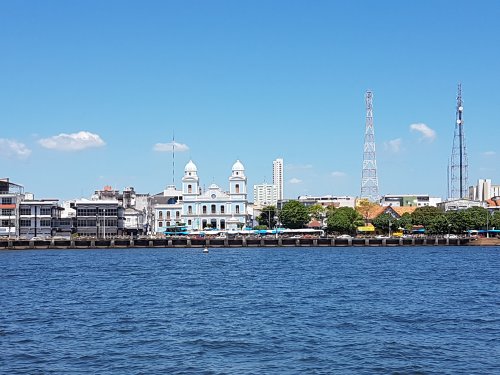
{"points": [[484, 190], [265, 195], [278, 177]]}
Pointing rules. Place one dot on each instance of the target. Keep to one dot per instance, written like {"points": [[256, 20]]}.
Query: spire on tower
{"points": [[369, 179]]}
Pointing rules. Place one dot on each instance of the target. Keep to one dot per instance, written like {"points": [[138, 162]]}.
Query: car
{"points": [[450, 236], [344, 236], [380, 237]]}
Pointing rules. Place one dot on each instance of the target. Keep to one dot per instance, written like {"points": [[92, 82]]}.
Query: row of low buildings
{"points": [[110, 212]]}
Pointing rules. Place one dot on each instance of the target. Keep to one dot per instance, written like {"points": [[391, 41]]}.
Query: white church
{"points": [[214, 208]]}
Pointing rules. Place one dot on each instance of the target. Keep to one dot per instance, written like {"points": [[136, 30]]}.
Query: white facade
{"points": [[409, 200], [265, 195], [11, 195], [167, 209], [459, 204], [328, 200], [214, 207], [484, 190], [278, 177]]}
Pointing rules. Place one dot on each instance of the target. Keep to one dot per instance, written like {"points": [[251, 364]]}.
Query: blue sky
{"points": [[245, 80]]}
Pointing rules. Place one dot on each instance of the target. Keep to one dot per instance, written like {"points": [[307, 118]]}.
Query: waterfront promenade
{"points": [[183, 242]]}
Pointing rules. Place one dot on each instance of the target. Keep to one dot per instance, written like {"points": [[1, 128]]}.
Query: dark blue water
{"points": [[420, 310]]}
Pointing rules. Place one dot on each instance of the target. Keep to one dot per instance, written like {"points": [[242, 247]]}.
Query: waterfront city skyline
{"points": [[92, 93]]}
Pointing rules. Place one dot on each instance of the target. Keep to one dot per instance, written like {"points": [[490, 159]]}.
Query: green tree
{"points": [[476, 217], [425, 215], [317, 211], [294, 215], [404, 222], [439, 224], [344, 220], [383, 221], [494, 222], [365, 206], [458, 220], [267, 217]]}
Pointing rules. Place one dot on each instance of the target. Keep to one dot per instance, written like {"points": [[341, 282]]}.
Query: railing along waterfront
{"points": [[186, 242]]}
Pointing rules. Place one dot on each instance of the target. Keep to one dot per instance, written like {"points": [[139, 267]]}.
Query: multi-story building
{"points": [[328, 200], [41, 218], [409, 200], [278, 178], [484, 190], [11, 195], [265, 195], [98, 218], [214, 208], [459, 204], [165, 209]]}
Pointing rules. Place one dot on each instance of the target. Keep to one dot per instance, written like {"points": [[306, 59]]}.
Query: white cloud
{"points": [[167, 147], [72, 142], [338, 174], [427, 133], [295, 167], [295, 181], [13, 149], [489, 153], [394, 145]]}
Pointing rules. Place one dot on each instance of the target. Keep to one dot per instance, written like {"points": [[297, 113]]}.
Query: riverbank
{"points": [[183, 242]]}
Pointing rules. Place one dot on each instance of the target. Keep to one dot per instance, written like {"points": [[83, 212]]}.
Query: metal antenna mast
{"points": [[369, 179], [173, 157], [459, 164]]}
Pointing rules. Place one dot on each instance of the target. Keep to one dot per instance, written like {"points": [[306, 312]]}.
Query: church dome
{"points": [[190, 167], [238, 166]]}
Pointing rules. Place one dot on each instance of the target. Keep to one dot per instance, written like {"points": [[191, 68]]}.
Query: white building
{"points": [[484, 190], [214, 208], [459, 204], [40, 218], [328, 200], [265, 195], [165, 209], [11, 195], [409, 200], [278, 177]]}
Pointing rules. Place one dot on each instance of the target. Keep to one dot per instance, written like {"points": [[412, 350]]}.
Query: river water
{"points": [[398, 310]]}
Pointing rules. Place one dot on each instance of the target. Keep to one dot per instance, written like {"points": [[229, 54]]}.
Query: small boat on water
{"points": [[205, 250]]}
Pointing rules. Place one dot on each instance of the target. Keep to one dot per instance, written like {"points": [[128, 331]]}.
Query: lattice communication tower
{"points": [[459, 164], [369, 179]]}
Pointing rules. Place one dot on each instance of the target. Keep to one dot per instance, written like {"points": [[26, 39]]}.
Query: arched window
{"points": [[213, 209], [177, 214], [190, 209], [160, 224], [237, 188], [204, 209], [221, 209], [160, 215], [190, 188], [237, 209], [168, 215]]}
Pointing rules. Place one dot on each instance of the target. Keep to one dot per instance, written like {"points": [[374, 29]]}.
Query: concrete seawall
{"points": [[238, 242]]}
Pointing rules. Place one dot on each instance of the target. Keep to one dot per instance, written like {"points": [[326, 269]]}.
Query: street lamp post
{"points": [[390, 224], [487, 223], [449, 228]]}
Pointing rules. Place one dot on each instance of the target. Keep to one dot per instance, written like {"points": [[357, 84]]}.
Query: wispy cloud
{"points": [[338, 174], [10, 148], [296, 167], [295, 180], [394, 145], [72, 142], [427, 133], [489, 153], [167, 147]]}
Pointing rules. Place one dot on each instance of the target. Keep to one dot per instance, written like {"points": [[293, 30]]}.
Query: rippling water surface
{"points": [[412, 310]]}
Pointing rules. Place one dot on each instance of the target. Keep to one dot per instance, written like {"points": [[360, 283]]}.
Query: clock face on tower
{"points": [[213, 196]]}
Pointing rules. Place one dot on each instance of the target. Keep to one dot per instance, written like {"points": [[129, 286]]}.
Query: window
{"points": [[222, 224], [6, 200], [190, 209], [221, 209], [189, 222], [7, 212], [168, 215], [25, 223], [45, 223], [45, 211], [160, 224], [204, 209], [237, 209], [177, 214], [25, 211], [160, 215], [213, 209], [190, 188], [237, 188]]}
